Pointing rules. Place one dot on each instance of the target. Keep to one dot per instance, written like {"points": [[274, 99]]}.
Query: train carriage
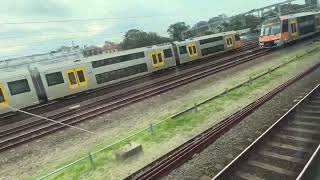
{"points": [[63, 79], [160, 57], [278, 31], [16, 89], [108, 69], [192, 49], [111, 68]]}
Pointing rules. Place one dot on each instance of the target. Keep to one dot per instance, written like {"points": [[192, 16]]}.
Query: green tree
{"points": [[176, 29], [135, 38], [201, 23], [252, 22]]}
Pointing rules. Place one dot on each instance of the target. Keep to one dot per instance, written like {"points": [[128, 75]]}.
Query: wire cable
{"points": [[83, 20], [45, 118]]}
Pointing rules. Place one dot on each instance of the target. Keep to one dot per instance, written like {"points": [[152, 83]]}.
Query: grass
{"points": [[105, 163]]}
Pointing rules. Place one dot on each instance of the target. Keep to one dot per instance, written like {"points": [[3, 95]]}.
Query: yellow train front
{"points": [[276, 32]]}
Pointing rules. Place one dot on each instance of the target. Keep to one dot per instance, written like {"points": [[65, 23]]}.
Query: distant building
{"points": [[91, 51], [108, 47]]}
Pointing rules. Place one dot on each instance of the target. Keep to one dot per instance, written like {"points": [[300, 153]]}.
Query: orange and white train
{"points": [[279, 31]]}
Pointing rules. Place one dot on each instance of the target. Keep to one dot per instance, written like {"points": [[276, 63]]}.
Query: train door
{"points": [[192, 50], [3, 97], [318, 23], [157, 59], [229, 41], [294, 28], [81, 77], [76, 78]]}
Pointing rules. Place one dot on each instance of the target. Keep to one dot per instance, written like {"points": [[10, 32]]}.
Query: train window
{"points": [[121, 73], [19, 87], [160, 58], [194, 49], [119, 59], [167, 53], [183, 49], [285, 26], [154, 59], [211, 50], [72, 78], [210, 40], [293, 28], [190, 50], [54, 78], [81, 76]]}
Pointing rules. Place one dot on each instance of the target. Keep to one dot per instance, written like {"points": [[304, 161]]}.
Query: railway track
{"points": [[183, 153], [37, 128], [284, 149]]}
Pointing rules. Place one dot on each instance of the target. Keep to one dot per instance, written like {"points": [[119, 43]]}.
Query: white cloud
{"points": [[35, 36]]}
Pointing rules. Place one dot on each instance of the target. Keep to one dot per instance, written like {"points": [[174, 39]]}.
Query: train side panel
{"points": [[64, 80], [17, 90], [160, 58], [107, 70], [207, 46], [188, 51]]}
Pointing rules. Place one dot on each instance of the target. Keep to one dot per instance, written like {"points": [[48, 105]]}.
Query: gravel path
{"points": [[209, 162], [48, 153]]}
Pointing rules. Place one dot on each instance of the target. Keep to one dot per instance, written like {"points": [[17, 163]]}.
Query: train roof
{"points": [[290, 16], [6, 73], [58, 65], [208, 36], [121, 53]]}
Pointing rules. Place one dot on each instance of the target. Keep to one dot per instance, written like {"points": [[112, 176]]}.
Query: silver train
{"points": [[41, 83]]}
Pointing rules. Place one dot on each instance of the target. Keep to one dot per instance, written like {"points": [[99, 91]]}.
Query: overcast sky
{"points": [[151, 15]]}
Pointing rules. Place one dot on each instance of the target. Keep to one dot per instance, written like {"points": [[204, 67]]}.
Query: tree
{"points": [[176, 29], [214, 19], [241, 22], [135, 38], [252, 21], [201, 23]]}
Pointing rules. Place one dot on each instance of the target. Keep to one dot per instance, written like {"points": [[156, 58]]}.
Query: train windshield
{"points": [[270, 29]]}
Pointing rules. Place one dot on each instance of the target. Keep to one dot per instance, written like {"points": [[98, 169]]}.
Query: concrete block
{"points": [[128, 151]]}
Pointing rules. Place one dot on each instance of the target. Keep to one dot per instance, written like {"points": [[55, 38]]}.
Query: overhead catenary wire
{"points": [[75, 33], [83, 20], [84, 31], [45, 118]]}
